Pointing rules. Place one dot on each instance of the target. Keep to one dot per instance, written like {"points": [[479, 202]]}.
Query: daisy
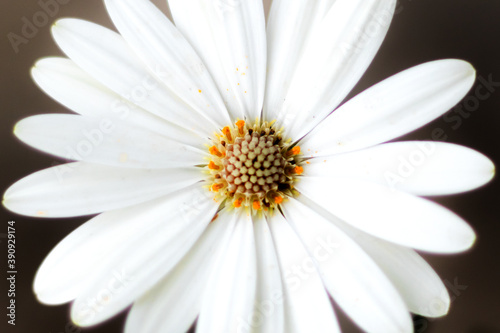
{"points": [[228, 192]]}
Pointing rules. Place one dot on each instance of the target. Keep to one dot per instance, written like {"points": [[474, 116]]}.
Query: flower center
{"points": [[252, 166]]}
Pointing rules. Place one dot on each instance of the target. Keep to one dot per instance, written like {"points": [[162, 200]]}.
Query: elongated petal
{"points": [[85, 254], [63, 80], [80, 188], [307, 307], [421, 288], [355, 282], [163, 48], [177, 225], [104, 141], [268, 314], [417, 283], [288, 18], [391, 215], [105, 55], [174, 304], [230, 38], [230, 294], [335, 57], [418, 167], [393, 107]]}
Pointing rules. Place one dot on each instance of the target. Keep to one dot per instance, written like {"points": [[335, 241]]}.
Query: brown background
{"points": [[423, 30]]}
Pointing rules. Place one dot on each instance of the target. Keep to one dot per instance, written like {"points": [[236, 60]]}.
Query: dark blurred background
{"points": [[422, 30]]}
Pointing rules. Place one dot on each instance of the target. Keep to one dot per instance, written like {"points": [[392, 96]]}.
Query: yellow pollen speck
{"points": [[123, 157], [199, 91], [308, 162], [41, 213], [243, 73], [299, 170], [296, 150], [213, 166], [237, 69], [256, 205], [278, 199]]}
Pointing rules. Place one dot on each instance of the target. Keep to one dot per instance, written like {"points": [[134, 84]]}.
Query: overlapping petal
{"points": [[106, 56], [393, 107], [335, 54], [164, 49], [307, 307], [228, 302], [113, 241], [174, 304], [162, 236], [64, 81], [352, 278], [389, 214], [230, 38], [105, 141]]}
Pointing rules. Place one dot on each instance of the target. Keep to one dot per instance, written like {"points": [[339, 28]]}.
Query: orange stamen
{"points": [[213, 166], [298, 170], [295, 150], [227, 133], [256, 205], [240, 124], [217, 187], [237, 203], [278, 200], [214, 151]]}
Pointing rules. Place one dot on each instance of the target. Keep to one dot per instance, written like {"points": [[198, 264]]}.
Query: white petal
{"points": [[104, 141], [419, 167], [307, 307], [288, 18], [334, 58], [80, 188], [355, 282], [163, 48], [163, 236], [63, 80], [421, 288], [174, 304], [268, 314], [106, 56], [393, 107], [230, 38], [390, 214], [84, 254], [230, 293]]}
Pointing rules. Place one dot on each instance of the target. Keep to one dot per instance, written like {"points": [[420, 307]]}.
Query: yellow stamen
{"points": [[278, 200], [241, 126], [299, 170], [214, 151], [227, 133]]}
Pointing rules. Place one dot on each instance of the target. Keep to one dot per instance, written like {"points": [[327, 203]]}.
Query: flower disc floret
{"points": [[252, 166]]}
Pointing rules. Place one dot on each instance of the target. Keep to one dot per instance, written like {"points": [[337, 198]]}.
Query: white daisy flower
{"points": [[228, 192]]}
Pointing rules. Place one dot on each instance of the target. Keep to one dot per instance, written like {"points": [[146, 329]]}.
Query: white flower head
{"points": [[227, 189]]}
